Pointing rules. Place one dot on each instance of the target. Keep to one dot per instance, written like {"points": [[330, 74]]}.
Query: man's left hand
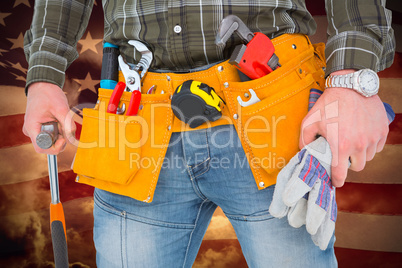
{"points": [[356, 128]]}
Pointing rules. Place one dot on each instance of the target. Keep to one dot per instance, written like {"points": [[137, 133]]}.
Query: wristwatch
{"points": [[364, 81]]}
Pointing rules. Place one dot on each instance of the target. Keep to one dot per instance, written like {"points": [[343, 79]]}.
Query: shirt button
{"points": [[177, 29]]}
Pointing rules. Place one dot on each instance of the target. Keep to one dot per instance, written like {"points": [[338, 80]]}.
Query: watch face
{"points": [[369, 82]]}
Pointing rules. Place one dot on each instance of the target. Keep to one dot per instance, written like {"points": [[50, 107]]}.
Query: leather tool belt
{"points": [[112, 146]]}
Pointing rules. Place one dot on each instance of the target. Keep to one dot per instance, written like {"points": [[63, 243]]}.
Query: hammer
{"points": [[45, 139]]}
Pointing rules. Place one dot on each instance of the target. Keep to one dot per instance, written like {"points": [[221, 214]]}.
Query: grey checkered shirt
{"points": [[181, 34]]}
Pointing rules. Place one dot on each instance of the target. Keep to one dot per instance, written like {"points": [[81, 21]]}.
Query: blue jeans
{"points": [[203, 169]]}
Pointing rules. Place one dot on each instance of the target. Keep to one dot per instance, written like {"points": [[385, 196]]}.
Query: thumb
{"points": [[310, 128]]}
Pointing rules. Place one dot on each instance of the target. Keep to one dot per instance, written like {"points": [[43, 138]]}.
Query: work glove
{"points": [[304, 192]]}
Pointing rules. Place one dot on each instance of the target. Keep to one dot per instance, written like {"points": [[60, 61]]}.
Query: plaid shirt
{"points": [[181, 34]]}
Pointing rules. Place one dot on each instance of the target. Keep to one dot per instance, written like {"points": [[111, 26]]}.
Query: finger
{"points": [[310, 128], [32, 131], [339, 169], [371, 151], [24, 130], [59, 145], [381, 144], [358, 161], [308, 134]]}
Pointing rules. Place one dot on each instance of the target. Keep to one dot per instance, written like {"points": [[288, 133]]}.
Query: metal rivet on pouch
{"points": [[141, 107], [220, 68], [147, 200], [246, 95], [169, 127], [226, 84], [300, 71], [261, 184], [235, 116], [294, 46], [77, 179], [123, 213], [98, 101], [168, 78]]}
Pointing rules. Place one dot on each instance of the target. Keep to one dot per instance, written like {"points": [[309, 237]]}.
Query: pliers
{"points": [[133, 81]]}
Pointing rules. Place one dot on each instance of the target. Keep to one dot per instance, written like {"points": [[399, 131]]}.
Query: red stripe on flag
{"points": [[356, 258], [395, 130], [395, 71], [11, 131], [382, 199], [70, 190], [38, 191]]}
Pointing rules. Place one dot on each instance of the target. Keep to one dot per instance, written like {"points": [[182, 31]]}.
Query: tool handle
{"points": [[110, 66], [45, 139], [134, 103], [57, 220], [59, 235], [114, 100], [48, 135]]}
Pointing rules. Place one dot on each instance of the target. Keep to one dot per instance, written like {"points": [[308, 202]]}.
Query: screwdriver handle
{"points": [[48, 135], [110, 66]]}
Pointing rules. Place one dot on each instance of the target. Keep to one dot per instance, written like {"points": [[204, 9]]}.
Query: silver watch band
{"points": [[345, 80]]}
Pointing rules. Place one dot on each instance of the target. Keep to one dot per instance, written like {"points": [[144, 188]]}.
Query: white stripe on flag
{"points": [[369, 232], [12, 100], [384, 168], [22, 163]]}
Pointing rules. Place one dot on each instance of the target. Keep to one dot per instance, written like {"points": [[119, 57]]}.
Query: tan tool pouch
{"points": [[115, 150], [124, 154]]}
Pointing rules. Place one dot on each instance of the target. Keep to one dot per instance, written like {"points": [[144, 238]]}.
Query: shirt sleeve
{"points": [[50, 43], [360, 35]]}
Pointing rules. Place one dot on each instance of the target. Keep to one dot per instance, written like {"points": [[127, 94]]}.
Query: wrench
{"points": [[255, 59], [228, 26], [253, 99]]}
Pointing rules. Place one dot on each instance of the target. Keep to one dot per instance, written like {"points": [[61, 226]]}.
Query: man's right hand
{"points": [[47, 102]]}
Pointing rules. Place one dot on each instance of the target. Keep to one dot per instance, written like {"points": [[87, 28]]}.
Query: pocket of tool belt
{"points": [[271, 127], [107, 143]]}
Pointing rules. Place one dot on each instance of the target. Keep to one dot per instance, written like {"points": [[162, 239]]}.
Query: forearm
{"points": [[50, 43], [360, 36]]}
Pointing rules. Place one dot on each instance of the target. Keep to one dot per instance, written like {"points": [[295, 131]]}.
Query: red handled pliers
{"points": [[132, 84], [113, 106], [133, 81]]}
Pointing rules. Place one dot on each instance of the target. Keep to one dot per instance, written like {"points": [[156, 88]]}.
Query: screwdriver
{"points": [[110, 70]]}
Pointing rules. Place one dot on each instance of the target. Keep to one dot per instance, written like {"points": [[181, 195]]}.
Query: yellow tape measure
{"points": [[194, 103]]}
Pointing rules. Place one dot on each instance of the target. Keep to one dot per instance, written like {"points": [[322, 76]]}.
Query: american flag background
{"points": [[369, 225]]}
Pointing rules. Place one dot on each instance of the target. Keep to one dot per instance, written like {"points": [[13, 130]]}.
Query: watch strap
{"points": [[343, 80]]}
